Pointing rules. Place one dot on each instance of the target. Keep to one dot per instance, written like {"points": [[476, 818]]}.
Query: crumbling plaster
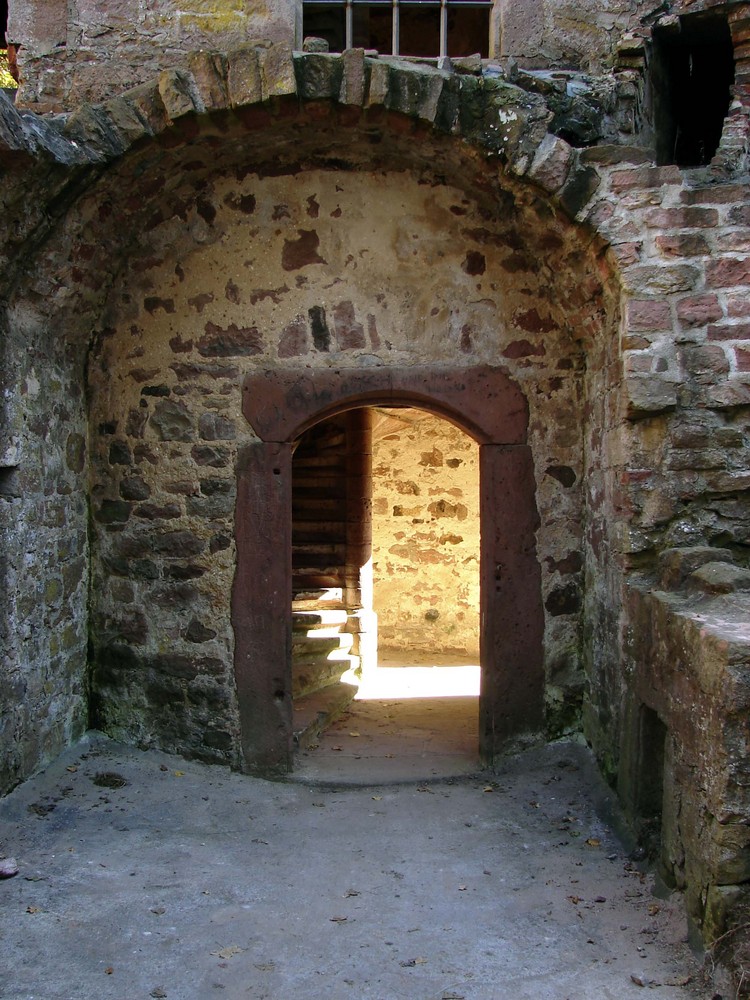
{"points": [[278, 256], [425, 536]]}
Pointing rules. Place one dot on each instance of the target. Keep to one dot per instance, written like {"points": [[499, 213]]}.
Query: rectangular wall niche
{"points": [[692, 72]]}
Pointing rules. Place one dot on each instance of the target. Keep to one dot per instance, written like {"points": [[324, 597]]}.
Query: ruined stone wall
{"points": [[687, 648], [425, 535], [387, 243], [87, 50], [43, 551], [676, 469]]}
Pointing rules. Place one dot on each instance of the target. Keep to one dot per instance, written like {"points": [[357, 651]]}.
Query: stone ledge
{"points": [[689, 663]]}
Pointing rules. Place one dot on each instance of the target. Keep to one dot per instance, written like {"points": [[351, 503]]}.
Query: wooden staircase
{"points": [[325, 631]]}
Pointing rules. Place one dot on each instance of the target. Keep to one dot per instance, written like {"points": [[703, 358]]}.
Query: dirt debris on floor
{"points": [[179, 880]]}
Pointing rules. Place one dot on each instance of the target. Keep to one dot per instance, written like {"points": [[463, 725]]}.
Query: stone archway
{"points": [[485, 403]]}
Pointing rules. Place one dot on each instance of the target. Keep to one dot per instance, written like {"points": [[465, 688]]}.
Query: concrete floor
{"points": [[410, 721], [191, 882], [389, 867]]}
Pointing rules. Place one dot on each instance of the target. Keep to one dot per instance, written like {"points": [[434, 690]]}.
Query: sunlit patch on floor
{"points": [[458, 681]]}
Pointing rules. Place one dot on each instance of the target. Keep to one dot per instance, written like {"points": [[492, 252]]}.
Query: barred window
{"points": [[401, 27]]}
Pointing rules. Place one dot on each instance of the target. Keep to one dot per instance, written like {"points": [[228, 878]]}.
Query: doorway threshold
{"points": [[404, 738]]}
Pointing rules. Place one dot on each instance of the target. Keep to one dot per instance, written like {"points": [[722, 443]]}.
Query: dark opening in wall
{"points": [[650, 789], [426, 28], [10, 485], [3, 22], [692, 73]]}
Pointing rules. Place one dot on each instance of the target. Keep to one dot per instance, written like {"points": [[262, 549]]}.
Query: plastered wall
{"points": [[425, 535], [310, 270]]}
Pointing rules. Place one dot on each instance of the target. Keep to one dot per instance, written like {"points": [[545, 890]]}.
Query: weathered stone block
{"points": [[579, 189], [729, 331], [665, 280], [551, 163], [720, 578], [706, 363], [698, 310], [722, 900], [728, 396], [728, 272], [157, 512], [197, 632], [209, 72], [716, 194], [119, 454], [313, 44], [147, 102], [213, 506], [174, 90], [682, 245], [681, 218], [243, 78], [214, 427], [113, 512], [644, 177], [649, 314], [354, 82], [229, 342], [125, 120], [648, 395], [75, 452], [217, 458], [277, 70], [134, 488], [319, 76], [172, 421], [377, 91], [177, 544]]}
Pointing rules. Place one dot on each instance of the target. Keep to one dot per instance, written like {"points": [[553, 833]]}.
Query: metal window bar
{"points": [[349, 6]]}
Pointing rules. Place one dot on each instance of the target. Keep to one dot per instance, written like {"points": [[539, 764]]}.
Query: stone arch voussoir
{"points": [[499, 120]]}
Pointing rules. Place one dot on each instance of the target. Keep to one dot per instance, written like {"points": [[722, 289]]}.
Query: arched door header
{"points": [[281, 404]]}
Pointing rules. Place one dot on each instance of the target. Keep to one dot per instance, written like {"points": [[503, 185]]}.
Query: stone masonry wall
{"points": [[43, 552], [425, 535], [86, 50], [563, 35]]}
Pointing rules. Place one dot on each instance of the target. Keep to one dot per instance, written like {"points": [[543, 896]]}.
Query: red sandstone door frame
{"points": [[484, 402]]}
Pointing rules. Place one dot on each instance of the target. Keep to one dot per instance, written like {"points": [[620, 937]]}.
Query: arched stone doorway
{"points": [[484, 402]]}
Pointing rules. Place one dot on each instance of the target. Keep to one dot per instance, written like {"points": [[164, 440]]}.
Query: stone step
{"points": [[318, 619], [321, 643], [316, 581], [308, 677], [313, 713], [317, 598], [333, 551]]}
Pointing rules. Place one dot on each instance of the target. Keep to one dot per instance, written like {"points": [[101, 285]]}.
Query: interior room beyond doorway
{"points": [[415, 713]]}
